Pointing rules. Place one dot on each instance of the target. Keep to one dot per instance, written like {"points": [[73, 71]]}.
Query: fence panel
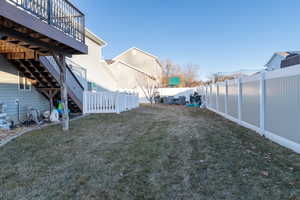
{"points": [[233, 98], [282, 107], [213, 97], [251, 102], [221, 97]]}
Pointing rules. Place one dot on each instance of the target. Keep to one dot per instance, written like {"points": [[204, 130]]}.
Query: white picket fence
{"points": [[109, 102], [268, 103]]}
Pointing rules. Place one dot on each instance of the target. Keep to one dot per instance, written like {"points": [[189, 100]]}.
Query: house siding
{"points": [[142, 61], [126, 76], [98, 71], [9, 92]]}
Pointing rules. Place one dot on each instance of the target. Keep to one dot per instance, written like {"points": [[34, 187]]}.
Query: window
{"points": [[24, 83], [92, 87], [89, 86]]}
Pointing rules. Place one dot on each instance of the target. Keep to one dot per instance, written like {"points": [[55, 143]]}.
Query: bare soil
{"points": [[154, 152]]}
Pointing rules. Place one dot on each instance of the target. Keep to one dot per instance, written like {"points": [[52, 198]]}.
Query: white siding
{"points": [[142, 61], [97, 70], [127, 78]]}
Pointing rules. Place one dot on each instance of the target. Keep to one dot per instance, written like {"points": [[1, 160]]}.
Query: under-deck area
{"points": [[33, 31]]}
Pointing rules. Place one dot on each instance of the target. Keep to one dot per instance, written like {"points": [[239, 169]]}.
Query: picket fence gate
{"points": [[109, 102]]}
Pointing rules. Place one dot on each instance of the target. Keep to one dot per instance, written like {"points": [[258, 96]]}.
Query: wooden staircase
{"points": [[44, 73]]}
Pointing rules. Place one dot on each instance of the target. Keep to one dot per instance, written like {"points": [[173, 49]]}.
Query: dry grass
{"points": [[159, 152]]}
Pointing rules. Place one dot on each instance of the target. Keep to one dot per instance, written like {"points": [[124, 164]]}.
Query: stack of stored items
{"points": [[180, 100], [170, 100], [196, 99]]}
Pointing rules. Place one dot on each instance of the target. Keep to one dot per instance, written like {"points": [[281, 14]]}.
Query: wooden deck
{"points": [[20, 25], [32, 30]]}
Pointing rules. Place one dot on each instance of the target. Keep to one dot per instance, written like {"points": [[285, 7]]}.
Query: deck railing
{"points": [[74, 85], [58, 13], [79, 71]]}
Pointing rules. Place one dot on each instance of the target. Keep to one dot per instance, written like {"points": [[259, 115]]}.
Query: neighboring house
{"points": [[134, 65], [128, 76], [99, 76], [29, 35], [275, 61], [291, 60]]}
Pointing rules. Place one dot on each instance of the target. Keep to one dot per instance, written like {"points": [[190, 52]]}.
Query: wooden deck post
{"points": [[64, 92], [61, 62], [50, 93]]}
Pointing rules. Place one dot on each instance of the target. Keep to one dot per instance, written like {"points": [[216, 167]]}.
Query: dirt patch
{"points": [[154, 152]]}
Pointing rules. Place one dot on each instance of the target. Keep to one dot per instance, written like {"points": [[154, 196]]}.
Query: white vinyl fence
{"points": [[109, 102], [268, 103], [163, 92], [176, 92]]}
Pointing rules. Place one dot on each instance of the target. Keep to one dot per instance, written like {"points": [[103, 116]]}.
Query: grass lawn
{"points": [[160, 152]]}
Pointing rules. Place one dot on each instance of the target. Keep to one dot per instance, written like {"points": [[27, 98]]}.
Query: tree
{"points": [[221, 77], [190, 73], [148, 85], [187, 74], [169, 69]]}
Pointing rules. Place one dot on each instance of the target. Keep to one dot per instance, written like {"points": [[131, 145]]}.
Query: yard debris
{"points": [[265, 173], [54, 117]]}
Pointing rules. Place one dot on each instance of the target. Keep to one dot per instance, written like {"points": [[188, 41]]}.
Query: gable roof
{"points": [[94, 38], [135, 48], [109, 61], [136, 69]]}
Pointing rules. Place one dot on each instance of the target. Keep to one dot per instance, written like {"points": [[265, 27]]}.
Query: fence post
{"points": [[122, 101], [117, 102], [84, 103], [136, 100], [239, 99], [217, 97], [209, 96], [206, 94], [226, 97], [262, 94], [129, 101]]}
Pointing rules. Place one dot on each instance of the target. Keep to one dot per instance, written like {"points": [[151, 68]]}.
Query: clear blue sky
{"points": [[218, 35]]}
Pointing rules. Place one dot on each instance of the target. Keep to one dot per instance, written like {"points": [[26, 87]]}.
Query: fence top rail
{"points": [[252, 78], [109, 93], [279, 73], [283, 72]]}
